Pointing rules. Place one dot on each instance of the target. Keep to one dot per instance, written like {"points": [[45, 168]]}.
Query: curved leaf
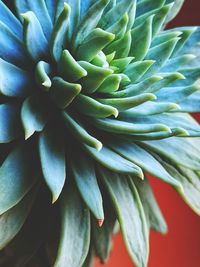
{"points": [[52, 156]]}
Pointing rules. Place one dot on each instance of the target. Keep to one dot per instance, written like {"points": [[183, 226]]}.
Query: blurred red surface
{"points": [[181, 246]]}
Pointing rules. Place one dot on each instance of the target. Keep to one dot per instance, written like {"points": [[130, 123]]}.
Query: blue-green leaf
{"points": [[15, 82], [9, 19], [85, 177], [40, 9], [34, 115], [130, 214], [18, 174], [34, 39], [10, 126], [143, 159], [12, 221], [11, 47], [75, 230], [152, 212], [114, 161], [59, 35], [178, 150], [52, 157]]}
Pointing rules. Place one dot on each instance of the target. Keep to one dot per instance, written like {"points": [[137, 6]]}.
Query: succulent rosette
{"points": [[93, 94]]}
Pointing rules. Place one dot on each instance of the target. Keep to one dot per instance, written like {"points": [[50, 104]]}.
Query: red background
{"points": [[181, 246]]}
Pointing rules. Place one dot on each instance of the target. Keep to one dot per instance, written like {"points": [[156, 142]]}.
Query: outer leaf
{"points": [[191, 185], [85, 177], [40, 10], [12, 221], [63, 93], [89, 22], [75, 230], [18, 174], [34, 115], [34, 39], [130, 214], [90, 107], [141, 39], [11, 48], [52, 156], [151, 209], [80, 133], [10, 126], [14, 82], [10, 20], [59, 35], [178, 150], [144, 160], [114, 161]]}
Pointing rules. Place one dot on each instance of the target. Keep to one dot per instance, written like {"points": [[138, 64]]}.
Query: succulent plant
{"points": [[94, 95]]}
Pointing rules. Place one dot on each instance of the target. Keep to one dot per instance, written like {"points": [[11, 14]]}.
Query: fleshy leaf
{"points": [[18, 174], [34, 39], [12, 221], [75, 230], [130, 214], [34, 115], [10, 126], [85, 177], [52, 156]]}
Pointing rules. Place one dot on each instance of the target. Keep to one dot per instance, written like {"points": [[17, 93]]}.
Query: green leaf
{"points": [[93, 44], [18, 174], [127, 102], [135, 71], [130, 214], [43, 72], [121, 46], [150, 206], [10, 126], [85, 177], [110, 84], [75, 230], [59, 35], [12, 221], [92, 108], [143, 159], [141, 39], [69, 69], [136, 89], [63, 93], [52, 157], [79, 132], [123, 127], [96, 75], [34, 115], [34, 39], [15, 82], [120, 26], [160, 53], [114, 161]]}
